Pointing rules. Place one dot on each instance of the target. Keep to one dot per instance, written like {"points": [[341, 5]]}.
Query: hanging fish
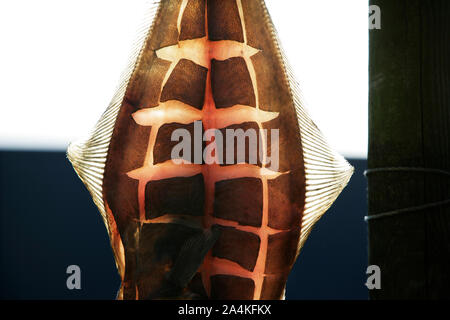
{"points": [[207, 170]]}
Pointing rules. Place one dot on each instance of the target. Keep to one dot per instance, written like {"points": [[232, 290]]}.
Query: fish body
{"points": [[209, 222]]}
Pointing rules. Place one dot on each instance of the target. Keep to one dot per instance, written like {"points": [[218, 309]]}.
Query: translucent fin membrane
{"points": [[326, 172], [88, 157]]}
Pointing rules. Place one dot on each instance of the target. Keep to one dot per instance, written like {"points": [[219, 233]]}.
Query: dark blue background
{"points": [[48, 222]]}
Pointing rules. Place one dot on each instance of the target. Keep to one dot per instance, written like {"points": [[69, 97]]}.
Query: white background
{"points": [[60, 62]]}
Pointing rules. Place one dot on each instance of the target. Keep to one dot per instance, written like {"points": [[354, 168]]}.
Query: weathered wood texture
{"points": [[409, 124]]}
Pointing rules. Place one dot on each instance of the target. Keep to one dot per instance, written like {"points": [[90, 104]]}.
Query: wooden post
{"points": [[409, 127]]}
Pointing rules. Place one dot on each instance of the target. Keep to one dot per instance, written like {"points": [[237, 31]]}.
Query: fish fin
{"points": [[186, 265], [88, 156], [191, 256], [326, 172]]}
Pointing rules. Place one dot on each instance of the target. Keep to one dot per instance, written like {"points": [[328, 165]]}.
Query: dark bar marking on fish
{"points": [[224, 22], [285, 204], [253, 126], [129, 142], [273, 287], [281, 251], [193, 21], [287, 137], [166, 24], [178, 196], [125, 203], [231, 288], [164, 146], [229, 203], [147, 82], [255, 29], [272, 93], [230, 239], [186, 84], [231, 83]]}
